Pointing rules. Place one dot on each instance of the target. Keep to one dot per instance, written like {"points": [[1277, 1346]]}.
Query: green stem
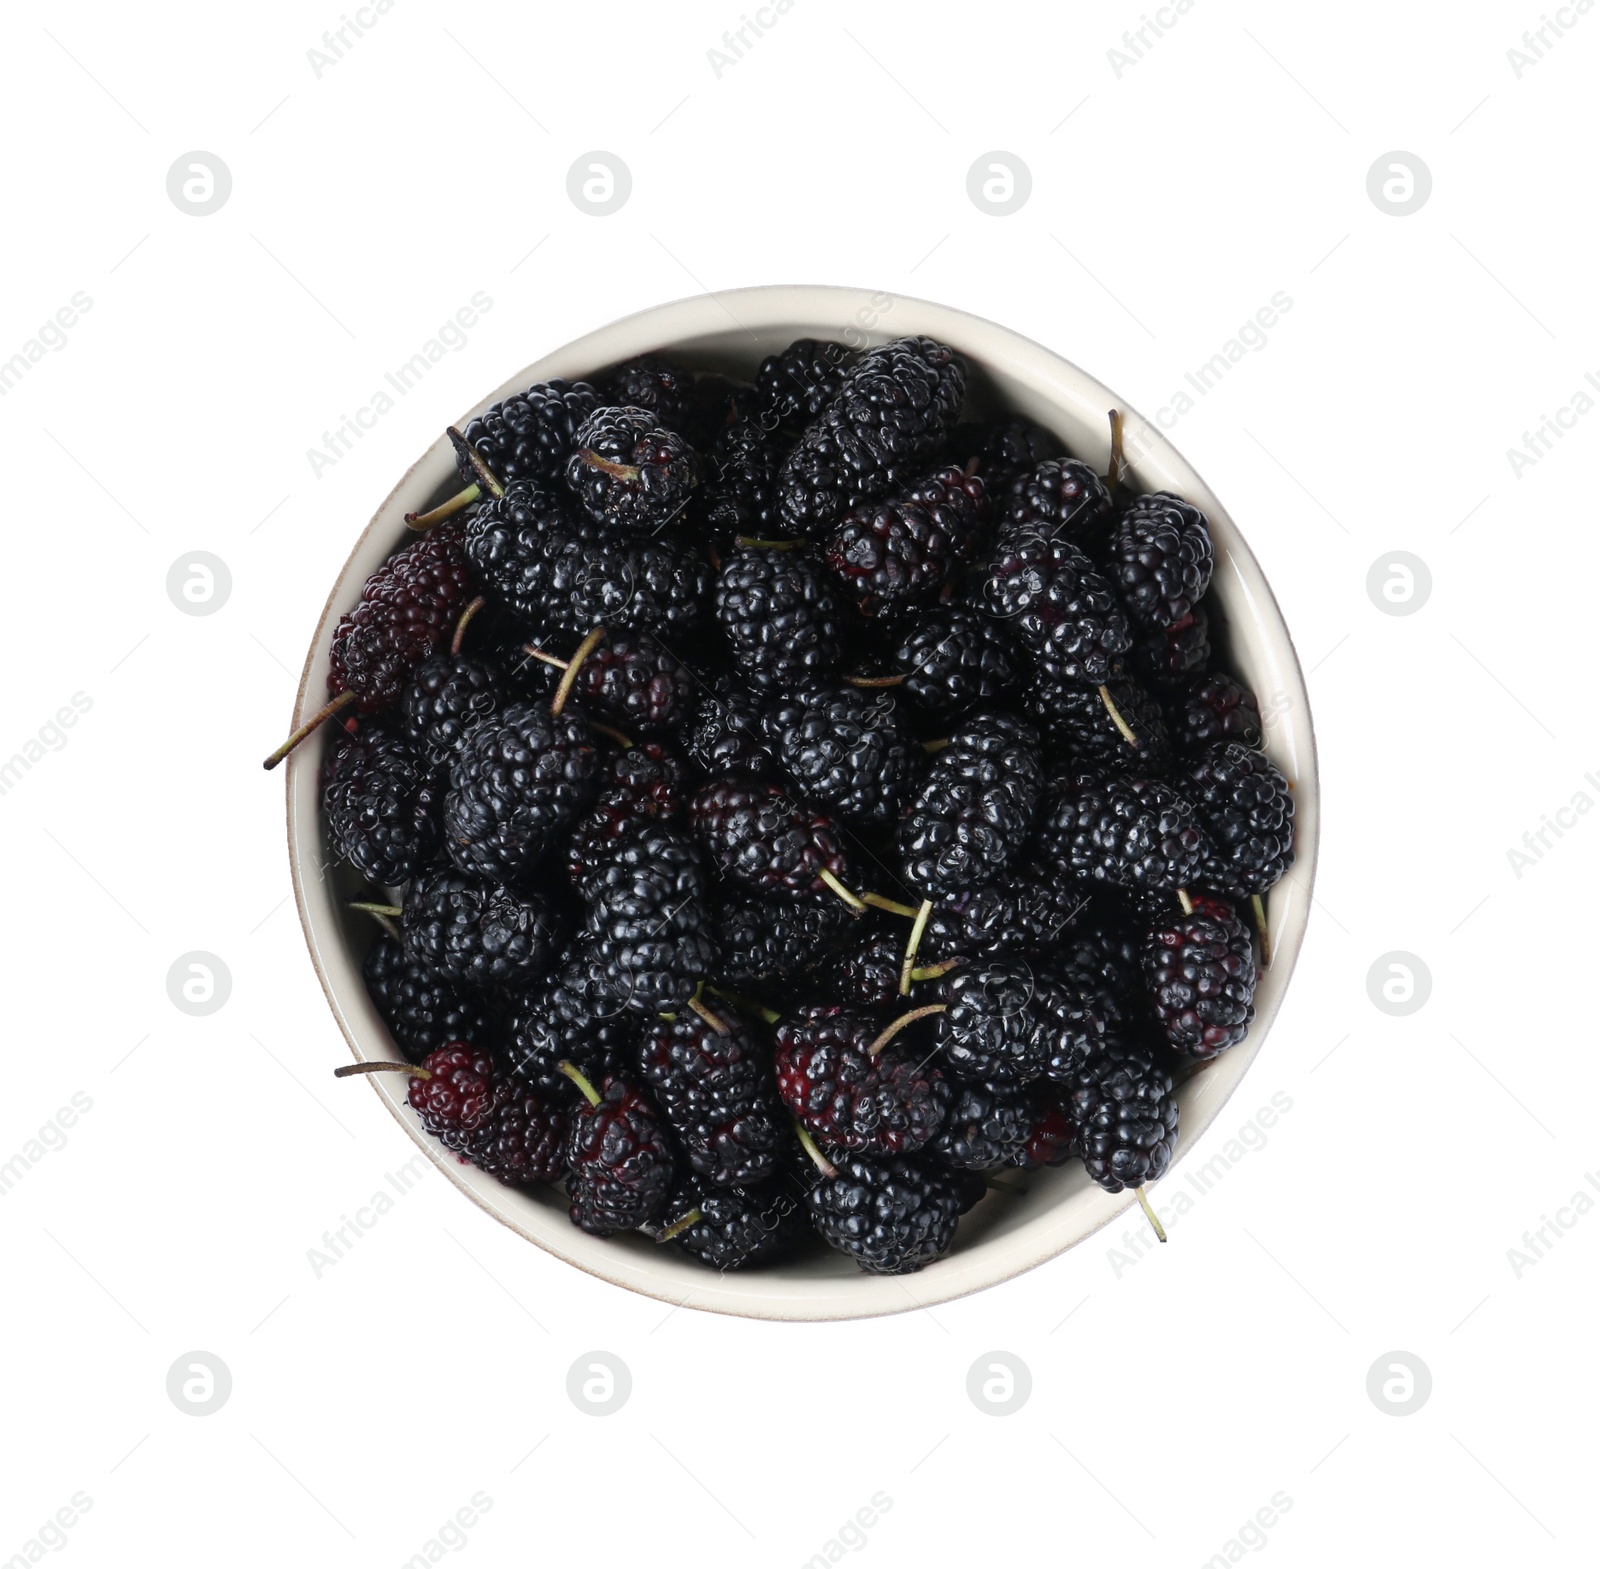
{"points": [[809, 1145], [893, 906], [900, 1023], [327, 711], [910, 961], [840, 889], [585, 1088], [1150, 1215], [446, 508]]}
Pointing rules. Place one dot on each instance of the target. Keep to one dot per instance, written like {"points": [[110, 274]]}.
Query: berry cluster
{"points": [[790, 807]]}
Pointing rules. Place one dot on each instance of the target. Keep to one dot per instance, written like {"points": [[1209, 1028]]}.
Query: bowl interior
{"points": [[731, 333]]}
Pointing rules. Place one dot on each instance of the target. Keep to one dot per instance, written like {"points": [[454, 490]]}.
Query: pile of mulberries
{"points": [[791, 805]]}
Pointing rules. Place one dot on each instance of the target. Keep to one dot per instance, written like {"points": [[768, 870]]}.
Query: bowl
{"points": [[731, 332]]}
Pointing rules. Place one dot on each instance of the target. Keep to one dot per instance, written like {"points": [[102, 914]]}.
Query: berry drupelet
{"points": [[892, 553], [737, 1228], [986, 1128], [407, 611], [477, 934], [635, 681], [725, 736], [567, 1017], [1211, 708], [975, 808], [955, 659], [714, 1086], [1159, 559], [1080, 728], [886, 423], [990, 1030], [1058, 499], [764, 840], [448, 695], [1126, 1115], [422, 1011], [1245, 807], [1004, 450], [381, 803], [769, 945], [848, 749], [641, 784], [850, 1097], [1023, 913], [891, 1216], [529, 435], [630, 471], [621, 1159], [659, 386], [1200, 971], [1057, 605], [648, 920], [517, 781], [484, 1116], [1132, 833], [796, 385], [782, 616]]}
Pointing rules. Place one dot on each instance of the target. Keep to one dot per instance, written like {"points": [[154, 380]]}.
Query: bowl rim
{"points": [[795, 309]]}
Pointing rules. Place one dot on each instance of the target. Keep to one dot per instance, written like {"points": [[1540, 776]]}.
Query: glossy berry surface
{"points": [[629, 470], [621, 1160], [1200, 972], [890, 1103], [893, 1217]]}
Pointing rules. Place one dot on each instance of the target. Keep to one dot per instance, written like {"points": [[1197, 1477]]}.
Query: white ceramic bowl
{"points": [[732, 331]]}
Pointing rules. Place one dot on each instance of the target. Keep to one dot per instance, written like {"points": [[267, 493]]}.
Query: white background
{"points": [[1171, 1398]]}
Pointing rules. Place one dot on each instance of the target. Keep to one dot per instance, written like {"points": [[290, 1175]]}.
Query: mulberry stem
{"points": [[809, 1145], [1117, 719], [875, 680], [1114, 471], [446, 508], [1258, 910], [893, 906], [544, 658], [1185, 903], [464, 622], [327, 711], [915, 942], [900, 1023], [585, 1088], [350, 1069], [585, 648], [474, 458], [1150, 1215], [840, 889], [678, 1227], [749, 1004], [719, 1024]]}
